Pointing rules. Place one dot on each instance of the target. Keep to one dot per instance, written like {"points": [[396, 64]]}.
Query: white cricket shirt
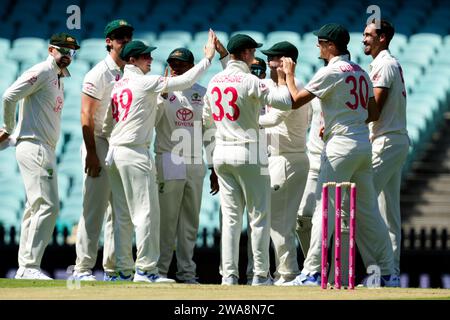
{"points": [[386, 72], [234, 98], [286, 130], [40, 91], [315, 143], [344, 89], [131, 116], [98, 84], [180, 115]]}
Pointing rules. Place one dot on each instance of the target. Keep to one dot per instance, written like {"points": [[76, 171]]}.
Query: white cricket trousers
{"points": [[345, 159], [288, 173], [389, 153], [37, 164], [243, 185], [96, 210], [308, 203], [136, 208], [180, 202], [306, 212]]}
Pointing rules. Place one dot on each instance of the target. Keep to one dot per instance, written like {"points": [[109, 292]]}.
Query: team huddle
{"points": [[269, 143]]}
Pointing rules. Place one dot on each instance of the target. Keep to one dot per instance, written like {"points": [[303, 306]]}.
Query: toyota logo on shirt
{"points": [[184, 114]]}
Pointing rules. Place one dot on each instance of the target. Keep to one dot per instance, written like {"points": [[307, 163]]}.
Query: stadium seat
{"points": [[5, 45], [277, 36], [175, 35], [32, 50], [92, 50], [256, 35], [426, 39], [148, 37], [202, 36]]}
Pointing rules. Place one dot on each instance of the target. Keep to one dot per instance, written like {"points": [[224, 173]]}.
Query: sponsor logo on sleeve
{"points": [[59, 104], [32, 80], [89, 87], [376, 77]]}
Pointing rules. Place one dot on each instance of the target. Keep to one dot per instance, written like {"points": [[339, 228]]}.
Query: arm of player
{"points": [[209, 132], [160, 108], [189, 78], [88, 107], [25, 85], [299, 97], [273, 118], [381, 95], [213, 182], [223, 52], [373, 110], [381, 81]]}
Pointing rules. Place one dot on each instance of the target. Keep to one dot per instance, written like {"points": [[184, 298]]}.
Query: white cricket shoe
{"points": [[84, 276], [144, 276], [31, 273], [262, 281], [281, 280], [305, 280], [230, 281]]}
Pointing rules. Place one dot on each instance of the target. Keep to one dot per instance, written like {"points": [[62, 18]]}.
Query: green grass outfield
{"points": [[59, 290]]}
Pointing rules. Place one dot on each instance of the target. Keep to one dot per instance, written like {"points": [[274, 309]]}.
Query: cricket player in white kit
{"points": [[130, 122], [389, 136], [235, 97], [180, 168], [40, 91], [288, 167], [96, 97], [347, 102], [314, 147]]}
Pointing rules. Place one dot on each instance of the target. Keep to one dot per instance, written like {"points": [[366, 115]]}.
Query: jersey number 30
{"points": [[360, 92], [231, 103], [124, 105]]}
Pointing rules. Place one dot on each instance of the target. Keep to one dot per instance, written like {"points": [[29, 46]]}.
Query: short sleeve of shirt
{"points": [[94, 84], [322, 82], [257, 88], [384, 76]]}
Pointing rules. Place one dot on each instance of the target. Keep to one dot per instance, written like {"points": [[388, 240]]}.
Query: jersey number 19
{"points": [[123, 104]]}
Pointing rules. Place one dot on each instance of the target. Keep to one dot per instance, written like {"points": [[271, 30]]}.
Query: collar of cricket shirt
{"points": [[238, 64], [381, 55], [112, 65], [132, 68], [343, 57], [63, 72]]}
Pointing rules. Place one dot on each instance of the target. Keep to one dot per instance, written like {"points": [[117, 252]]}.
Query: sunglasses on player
{"points": [[65, 51]]}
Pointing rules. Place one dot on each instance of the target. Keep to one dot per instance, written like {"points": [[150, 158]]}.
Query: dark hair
{"points": [[387, 28]]}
